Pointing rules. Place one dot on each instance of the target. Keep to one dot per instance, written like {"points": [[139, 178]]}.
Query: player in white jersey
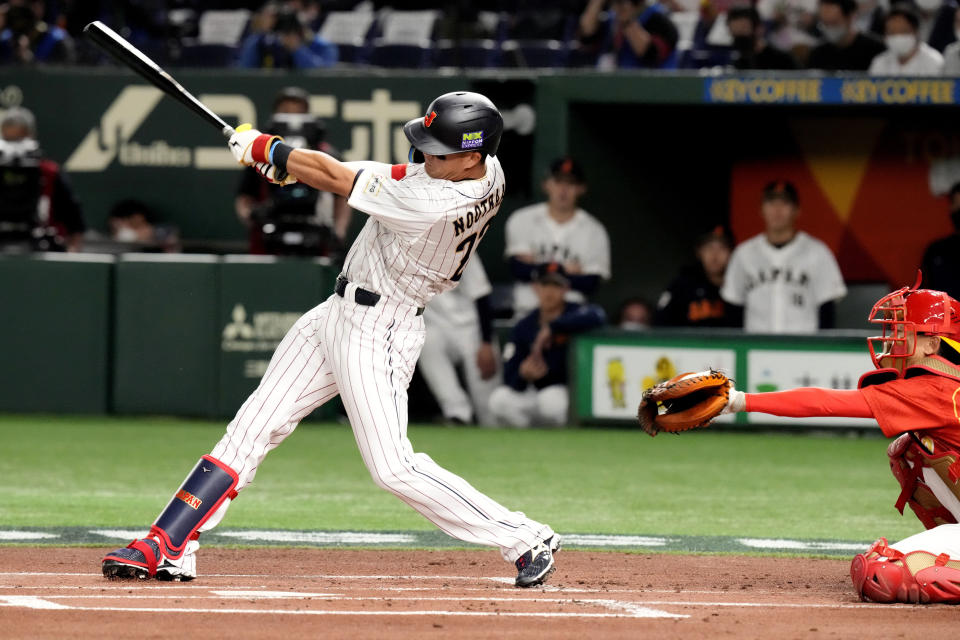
{"points": [[557, 232], [460, 336], [363, 341], [785, 279]]}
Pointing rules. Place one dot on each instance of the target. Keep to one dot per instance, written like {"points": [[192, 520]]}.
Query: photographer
{"points": [[293, 220], [38, 211]]}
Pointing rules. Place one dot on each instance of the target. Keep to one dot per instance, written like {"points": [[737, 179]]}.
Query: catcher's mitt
{"points": [[686, 401]]}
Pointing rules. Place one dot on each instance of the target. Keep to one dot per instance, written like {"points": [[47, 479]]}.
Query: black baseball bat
{"points": [[125, 53]]}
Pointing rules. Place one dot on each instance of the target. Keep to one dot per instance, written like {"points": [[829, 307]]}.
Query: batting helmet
{"points": [[910, 311], [456, 123]]}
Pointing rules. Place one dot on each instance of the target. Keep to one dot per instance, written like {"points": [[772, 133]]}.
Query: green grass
{"points": [[69, 471]]}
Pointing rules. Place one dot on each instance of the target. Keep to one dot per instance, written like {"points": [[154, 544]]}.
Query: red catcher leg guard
{"points": [[883, 575], [940, 582]]}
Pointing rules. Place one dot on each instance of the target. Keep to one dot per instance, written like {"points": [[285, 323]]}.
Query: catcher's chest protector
{"points": [[908, 459]]}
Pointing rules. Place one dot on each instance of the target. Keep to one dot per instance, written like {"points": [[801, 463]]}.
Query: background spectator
{"points": [[293, 220], [26, 38], [557, 231], [906, 54], [844, 48], [535, 373], [636, 314], [38, 210], [750, 48], [693, 298], [635, 34], [133, 223], [941, 260], [785, 279], [460, 337], [285, 43], [936, 22], [951, 55]]}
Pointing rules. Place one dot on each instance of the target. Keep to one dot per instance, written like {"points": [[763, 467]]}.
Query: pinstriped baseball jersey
{"points": [[782, 288], [421, 231]]}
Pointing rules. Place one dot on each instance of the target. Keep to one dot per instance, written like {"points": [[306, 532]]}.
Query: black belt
{"points": [[360, 296]]}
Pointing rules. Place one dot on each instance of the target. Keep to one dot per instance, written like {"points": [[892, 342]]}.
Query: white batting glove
{"points": [[736, 402], [270, 173], [250, 146]]}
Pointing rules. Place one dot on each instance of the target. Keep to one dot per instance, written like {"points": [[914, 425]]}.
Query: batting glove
{"points": [[273, 175], [249, 146]]}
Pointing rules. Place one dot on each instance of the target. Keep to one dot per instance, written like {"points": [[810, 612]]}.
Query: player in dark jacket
{"points": [[535, 373], [693, 298]]}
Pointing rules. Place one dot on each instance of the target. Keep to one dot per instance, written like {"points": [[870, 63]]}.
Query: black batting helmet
{"points": [[456, 123]]}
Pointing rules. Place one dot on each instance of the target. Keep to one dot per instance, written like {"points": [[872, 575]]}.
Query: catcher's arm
{"points": [[688, 401]]}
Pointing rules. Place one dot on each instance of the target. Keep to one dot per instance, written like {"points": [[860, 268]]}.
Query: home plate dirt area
{"points": [[311, 593]]}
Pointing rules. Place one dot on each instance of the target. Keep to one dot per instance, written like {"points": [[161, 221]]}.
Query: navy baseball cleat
{"points": [[536, 565], [142, 559]]}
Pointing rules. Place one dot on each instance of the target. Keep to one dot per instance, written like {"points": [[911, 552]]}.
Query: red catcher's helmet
{"points": [[910, 311]]}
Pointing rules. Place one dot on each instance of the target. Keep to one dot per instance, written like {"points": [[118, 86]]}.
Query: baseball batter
{"points": [[915, 394], [426, 220], [782, 277]]}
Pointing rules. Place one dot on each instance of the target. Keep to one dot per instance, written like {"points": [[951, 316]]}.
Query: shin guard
{"points": [[206, 488], [883, 574]]}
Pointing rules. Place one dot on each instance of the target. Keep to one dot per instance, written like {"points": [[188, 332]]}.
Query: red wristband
{"points": [[261, 147]]}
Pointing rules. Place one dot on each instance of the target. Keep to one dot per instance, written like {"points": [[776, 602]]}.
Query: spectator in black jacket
{"points": [[844, 48], [941, 260], [693, 298], [535, 373], [750, 48]]}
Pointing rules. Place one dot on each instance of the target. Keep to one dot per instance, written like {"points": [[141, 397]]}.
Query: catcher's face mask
{"points": [[905, 313]]}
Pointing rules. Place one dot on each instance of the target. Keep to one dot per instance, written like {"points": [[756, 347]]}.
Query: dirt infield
{"points": [[310, 593]]}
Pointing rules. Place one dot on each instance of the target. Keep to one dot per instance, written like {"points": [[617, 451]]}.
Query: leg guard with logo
{"points": [[200, 496], [883, 574], [907, 461]]}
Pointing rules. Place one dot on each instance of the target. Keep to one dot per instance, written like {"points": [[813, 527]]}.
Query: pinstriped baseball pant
{"points": [[367, 355]]}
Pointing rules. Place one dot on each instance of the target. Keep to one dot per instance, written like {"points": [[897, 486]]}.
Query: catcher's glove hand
{"points": [[686, 401]]}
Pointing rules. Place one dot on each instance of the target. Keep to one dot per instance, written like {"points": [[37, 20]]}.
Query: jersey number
{"points": [[466, 245]]}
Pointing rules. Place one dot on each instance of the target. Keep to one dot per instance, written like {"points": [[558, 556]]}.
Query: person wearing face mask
{"points": [[906, 55], [844, 47], [941, 260], [750, 49], [951, 55]]}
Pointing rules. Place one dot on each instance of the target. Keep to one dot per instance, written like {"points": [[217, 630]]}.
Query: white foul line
{"points": [[30, 602], [638, 612]]}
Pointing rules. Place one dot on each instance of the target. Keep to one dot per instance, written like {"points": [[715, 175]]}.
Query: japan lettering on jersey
{"points": [[781, 289], [421, 231]]}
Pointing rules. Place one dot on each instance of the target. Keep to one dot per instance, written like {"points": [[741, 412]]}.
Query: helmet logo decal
{"points": [[428, 119], [472, 140]]}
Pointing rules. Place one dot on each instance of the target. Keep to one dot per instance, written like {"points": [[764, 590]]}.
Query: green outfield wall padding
{"points": [[260, 298], [165, 353], [54, 328]]}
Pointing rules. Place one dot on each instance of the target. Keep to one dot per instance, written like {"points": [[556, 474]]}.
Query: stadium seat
{"points": [[207, 55], [401, 55], [350, 31], [534, 53], [407, 27], [222, 27], [468, 54]]}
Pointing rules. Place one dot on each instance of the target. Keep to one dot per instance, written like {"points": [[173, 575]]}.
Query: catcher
{"points": [[914, 393]]}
